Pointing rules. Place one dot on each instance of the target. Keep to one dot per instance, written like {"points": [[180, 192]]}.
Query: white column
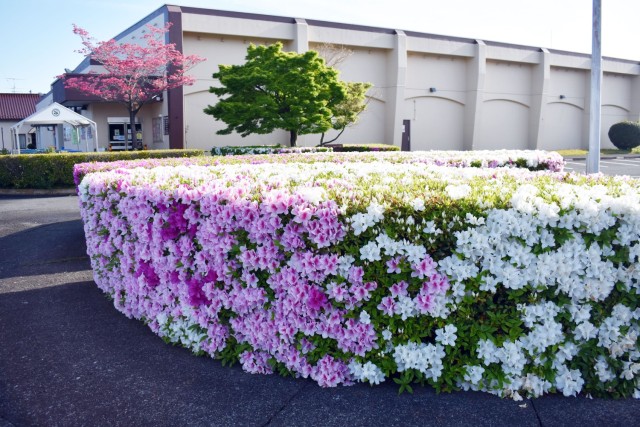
{"points": [[635, 99], [477, 72], [301, 41], [397, 77], [540, 86]]}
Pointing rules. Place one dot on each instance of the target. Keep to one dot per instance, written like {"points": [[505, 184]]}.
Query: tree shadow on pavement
{"points": [[46, 249], [68, 357]]}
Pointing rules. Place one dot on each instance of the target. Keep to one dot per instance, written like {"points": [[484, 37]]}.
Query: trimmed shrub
{"points": [[461, 278], [625, 135], [264, 149], [341, 148], [532, 160], [55, 170]]}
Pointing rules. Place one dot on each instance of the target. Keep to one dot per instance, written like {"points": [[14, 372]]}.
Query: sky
{"points": [[37, 42]]}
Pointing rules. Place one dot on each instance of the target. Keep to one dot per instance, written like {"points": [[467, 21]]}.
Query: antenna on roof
{"points": [[13, 81]]}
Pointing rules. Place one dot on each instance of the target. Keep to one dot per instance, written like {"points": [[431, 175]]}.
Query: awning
{"points": [[54, 114]]}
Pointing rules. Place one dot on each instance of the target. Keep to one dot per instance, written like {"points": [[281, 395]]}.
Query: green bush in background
{"points": [[41, 171], [625, 135], [264, 149], [341, 148]]}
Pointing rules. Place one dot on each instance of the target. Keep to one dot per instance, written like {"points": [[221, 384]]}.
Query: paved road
{"points": [[609, 166], [68, 358]]}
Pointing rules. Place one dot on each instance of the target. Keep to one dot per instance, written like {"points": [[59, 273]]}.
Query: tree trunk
{"points": [[293, 137], [134, 134], [322, 142]]}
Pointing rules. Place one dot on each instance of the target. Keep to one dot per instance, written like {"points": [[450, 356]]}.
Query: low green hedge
{"points": [[264, 149], [56, 170], [340, 148]]}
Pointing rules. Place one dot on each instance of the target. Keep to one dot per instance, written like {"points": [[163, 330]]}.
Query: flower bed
{"points": [[501, 280], [532, 160]]}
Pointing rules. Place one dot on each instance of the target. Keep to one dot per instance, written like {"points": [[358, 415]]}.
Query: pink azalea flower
{"points": [[316, 299], [424, 268], [399, 289], [387, 306], [330, 372], [356, 274], [424, 303], [393, 265]]}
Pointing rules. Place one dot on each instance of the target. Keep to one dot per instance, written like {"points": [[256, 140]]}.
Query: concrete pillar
{"points": [[397, 74], [301, 40], [476, 74], [539, 89], [634, 112], [585, 113]]}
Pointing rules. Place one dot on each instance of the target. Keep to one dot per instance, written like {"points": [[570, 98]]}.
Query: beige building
{"points": [[443, 92]]}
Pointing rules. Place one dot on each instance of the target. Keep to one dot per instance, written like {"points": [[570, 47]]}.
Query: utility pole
{"points": [[595, 109]]}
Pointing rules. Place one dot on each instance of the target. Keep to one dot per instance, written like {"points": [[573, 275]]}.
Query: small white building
{"points": [[13, 108], [445, 92]]}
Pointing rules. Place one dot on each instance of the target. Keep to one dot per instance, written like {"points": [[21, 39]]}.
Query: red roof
{"points": [[17, 106]]}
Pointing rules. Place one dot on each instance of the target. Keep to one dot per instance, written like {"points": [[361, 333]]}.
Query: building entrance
{"points": [[120, 134]]}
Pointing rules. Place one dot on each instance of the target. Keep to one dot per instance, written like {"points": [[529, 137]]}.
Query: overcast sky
{"points": [[37, 43]]}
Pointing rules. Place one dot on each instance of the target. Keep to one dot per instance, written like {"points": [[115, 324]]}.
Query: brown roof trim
{"points": [[566, 52], [513, 46], [241, 15], [588, 56], [624, 61], [353, 27], [175, 96], [440, 37]]}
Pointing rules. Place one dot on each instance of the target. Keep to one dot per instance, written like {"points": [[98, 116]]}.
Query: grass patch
{"points": [[606, 151]]}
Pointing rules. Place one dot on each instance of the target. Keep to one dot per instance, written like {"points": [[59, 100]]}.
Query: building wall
{"points": [[363, 65], [566, 123], [506, 106], [201, 128], [100, 113], [6, 136], [435, 98], [616, 103], [486, 95]]}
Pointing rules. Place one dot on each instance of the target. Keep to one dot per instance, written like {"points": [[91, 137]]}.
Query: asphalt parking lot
{"points": [[68, 358], [609, 166]]}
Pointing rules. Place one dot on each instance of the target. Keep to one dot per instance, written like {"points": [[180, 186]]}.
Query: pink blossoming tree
{"points": [[134, 73]]}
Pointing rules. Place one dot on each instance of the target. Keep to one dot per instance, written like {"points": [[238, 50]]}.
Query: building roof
{"points": [[17, 106]]}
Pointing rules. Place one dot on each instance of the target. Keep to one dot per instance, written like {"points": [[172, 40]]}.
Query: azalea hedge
{"points": [[527, 159], [503, 280]]}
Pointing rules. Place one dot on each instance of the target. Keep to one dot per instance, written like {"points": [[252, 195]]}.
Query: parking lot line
{"points": [[621, 162]]}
